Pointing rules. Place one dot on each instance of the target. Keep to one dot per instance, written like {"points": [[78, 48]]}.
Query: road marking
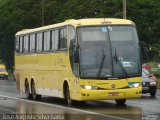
{"points": [[74, 109], [143, 103], [11, 112], [132, 102]]}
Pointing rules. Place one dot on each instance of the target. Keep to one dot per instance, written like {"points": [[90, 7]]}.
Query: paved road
{"points": [[11, 102]]}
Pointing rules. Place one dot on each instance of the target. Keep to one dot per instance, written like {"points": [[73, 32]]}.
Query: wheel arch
{"points": [[32, 81]]}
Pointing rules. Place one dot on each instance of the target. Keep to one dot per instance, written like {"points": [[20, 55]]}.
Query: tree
{"points": [[23, 14]]}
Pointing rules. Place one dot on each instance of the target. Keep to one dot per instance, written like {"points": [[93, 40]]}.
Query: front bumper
{"points": [[149, 89], [3, 75], [107, 94]]}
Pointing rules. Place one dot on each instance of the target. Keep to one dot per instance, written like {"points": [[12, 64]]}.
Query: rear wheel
{"points": [[28, 95], [120, 101], [34, 94]]}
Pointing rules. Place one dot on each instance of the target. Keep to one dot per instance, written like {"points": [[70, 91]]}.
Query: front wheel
{"points": [[120, 101], [6, 77], [153, 94], [67, 97]]}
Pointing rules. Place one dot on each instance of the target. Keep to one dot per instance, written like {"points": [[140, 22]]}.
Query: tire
{"points": [[120, 101], [28, 95], [67, 96], [34, 95], [153, 94]]}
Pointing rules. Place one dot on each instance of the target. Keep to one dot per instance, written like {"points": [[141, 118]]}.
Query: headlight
{"points": [[134, 85], [152, 83], [88, 87]]}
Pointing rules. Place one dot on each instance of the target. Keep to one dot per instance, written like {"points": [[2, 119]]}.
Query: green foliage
{"points": [[157, 74], [16, 15]]}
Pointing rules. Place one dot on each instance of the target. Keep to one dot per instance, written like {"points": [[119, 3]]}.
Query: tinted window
{"points": [[21, 44], [95, 55], [71, 33], [47, 40], [124, 44], [53, 40], [73, 50], [39, 42], [17, 44], [63, 38], [32, 43], [26, 40], [56, 40]]}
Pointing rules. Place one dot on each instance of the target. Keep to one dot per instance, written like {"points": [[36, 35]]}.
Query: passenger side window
{"points": [[56, 40], [47, 40], [21, 44], [73, 50], [17, 44], [32, 43], [25, 47], [39, 42], [52, 40], [63, 39]]}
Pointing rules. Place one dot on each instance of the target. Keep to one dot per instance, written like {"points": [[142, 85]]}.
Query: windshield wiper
{"points": [[102, 63], [120, 64]]}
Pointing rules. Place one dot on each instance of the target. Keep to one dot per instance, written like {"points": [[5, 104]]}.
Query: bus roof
{"points": [[2, 66], [79, 22]]}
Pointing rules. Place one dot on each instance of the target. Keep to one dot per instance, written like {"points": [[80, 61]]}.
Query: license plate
{"points": [[145, 88], [113, 94]]}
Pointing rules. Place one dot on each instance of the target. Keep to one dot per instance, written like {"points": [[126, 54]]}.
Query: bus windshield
{"points": [[108, 52], [2, 70]]}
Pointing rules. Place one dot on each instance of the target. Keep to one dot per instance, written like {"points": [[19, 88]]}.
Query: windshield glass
{"points": [[145, 73], [124, 44], [99, 45], [2, 70]]}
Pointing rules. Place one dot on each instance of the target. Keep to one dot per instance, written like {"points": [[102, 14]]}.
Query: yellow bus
{"points": [[85, 59], [3, 72]]}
